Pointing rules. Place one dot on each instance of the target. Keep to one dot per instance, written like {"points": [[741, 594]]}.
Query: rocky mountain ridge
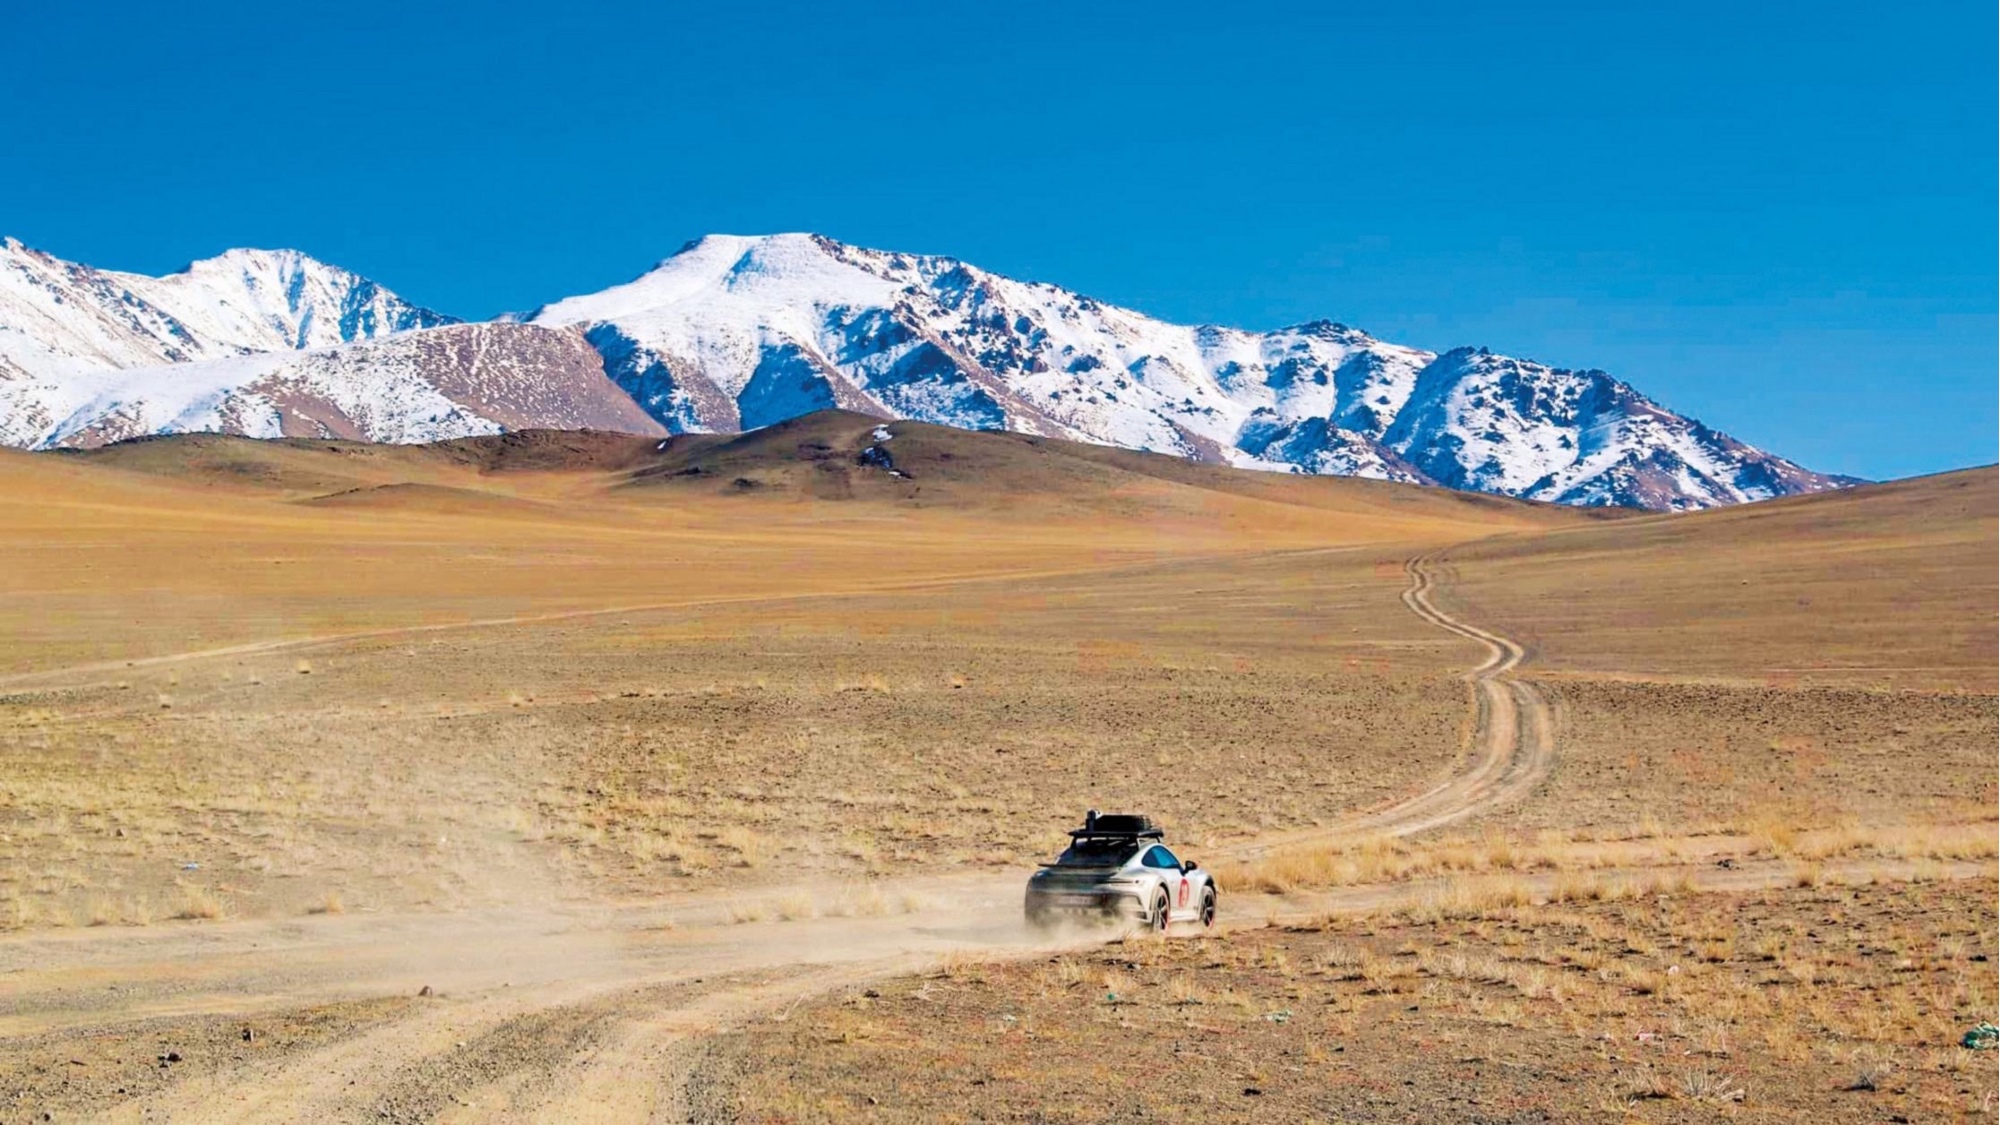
{"points": [[736, 332]]}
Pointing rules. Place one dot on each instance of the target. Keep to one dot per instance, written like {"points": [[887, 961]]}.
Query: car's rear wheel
{"points": [[1208, 907], [1160, 913]]}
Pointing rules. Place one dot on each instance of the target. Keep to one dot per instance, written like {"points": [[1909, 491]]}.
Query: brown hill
{"points": [[437, 499], [831, 455], [1887, 584], [196, 541]]}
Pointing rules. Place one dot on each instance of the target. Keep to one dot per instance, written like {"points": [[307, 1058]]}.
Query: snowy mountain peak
{"points": [[249, 257], [1331, 330], [307, 302], [740, 331], [59, 318]]}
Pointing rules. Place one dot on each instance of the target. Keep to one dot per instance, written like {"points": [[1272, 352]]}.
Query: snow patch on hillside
{"points": [[735, 332]]}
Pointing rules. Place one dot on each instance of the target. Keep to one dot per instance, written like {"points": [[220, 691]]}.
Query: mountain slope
{"points": [[739, 332], [736, 333], [1480, 421], [59, 318], [448, 382]]}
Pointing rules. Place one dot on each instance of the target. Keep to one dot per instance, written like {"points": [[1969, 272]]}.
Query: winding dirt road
{"points": [[579, 1014], [1513, 732]]}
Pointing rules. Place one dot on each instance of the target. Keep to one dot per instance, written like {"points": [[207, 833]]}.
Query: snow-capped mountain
{"points": [[733, 333], [429, 385], [270, 343], [1486, 422], [739, 332], [58, 318]]}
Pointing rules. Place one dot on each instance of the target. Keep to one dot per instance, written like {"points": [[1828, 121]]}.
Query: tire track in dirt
{"points": [[617, 1037], [1512, 745], [612, 1040], [1513, 731]]}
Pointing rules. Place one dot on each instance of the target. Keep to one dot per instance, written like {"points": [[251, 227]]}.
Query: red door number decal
{"points": [[1184, 893]]}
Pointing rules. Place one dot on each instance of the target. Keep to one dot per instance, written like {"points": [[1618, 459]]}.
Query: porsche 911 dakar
{"points": [[1118, 866]]}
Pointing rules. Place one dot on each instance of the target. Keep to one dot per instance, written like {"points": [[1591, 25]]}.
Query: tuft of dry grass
{"points": [[194, 902], [1710, 1087], [749, 911], [864, 900], [1380, 860], [1469, 898], [1774, 834], [752, 849], [1185, 990]]}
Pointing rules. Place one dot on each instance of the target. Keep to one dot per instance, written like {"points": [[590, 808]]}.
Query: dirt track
{"points": [[596, 1014], [1512, 737]]}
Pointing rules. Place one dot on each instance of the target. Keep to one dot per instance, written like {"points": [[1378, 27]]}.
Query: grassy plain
{"points": [[1790, 686], [306, 674], [279, 689], [1821, 1003]]}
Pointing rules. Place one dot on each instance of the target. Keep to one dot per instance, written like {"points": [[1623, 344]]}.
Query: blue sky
{"points": [[1779, 218]]}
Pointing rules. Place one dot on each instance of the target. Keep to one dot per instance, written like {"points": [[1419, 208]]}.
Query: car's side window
{"points": [[1161, 858]]}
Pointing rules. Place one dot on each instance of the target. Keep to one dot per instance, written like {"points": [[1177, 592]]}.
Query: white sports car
{"points": [[1117, 866]]}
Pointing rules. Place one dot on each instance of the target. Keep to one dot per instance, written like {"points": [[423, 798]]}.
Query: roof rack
{"points": [[1117, 826]]}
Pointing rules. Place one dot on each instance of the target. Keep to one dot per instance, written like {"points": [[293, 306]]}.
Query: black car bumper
{"points": [[1083, 904]]}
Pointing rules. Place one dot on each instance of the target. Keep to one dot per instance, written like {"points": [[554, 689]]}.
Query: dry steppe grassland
{"points": [[692, 773]]}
